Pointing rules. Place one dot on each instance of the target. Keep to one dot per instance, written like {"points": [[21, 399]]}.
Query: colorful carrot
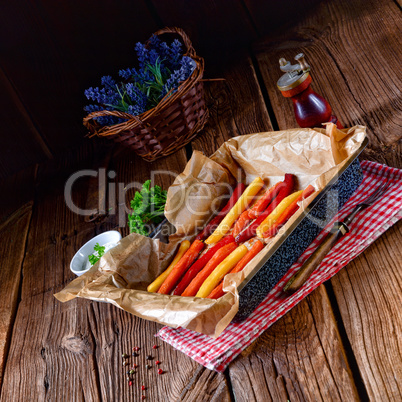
{"points": [[156, 284], [211, 226], [181, 267], [277, 212], [241, 223], [221, 270], [200, 264], [251, 231], [219, 256], [289, 211], [259, 207], [242, 203], [254, 250]]}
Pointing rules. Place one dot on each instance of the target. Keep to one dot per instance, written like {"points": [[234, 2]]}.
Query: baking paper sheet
{"points": [[122, 275]]}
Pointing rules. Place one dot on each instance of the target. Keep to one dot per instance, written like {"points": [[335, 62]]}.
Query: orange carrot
{"points": [[265, 200], [218, 257], [289, 211], [200, 264], [181, 267], [241, 223], [254, 250]]}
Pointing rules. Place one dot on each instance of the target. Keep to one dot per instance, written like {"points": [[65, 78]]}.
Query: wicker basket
{"points": [[170, 125]]}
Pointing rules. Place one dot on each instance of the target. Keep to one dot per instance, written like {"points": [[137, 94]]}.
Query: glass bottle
{"points": [[311, 109]]}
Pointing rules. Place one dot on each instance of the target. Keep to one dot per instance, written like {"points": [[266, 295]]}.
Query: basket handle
{"points": [[132, 121], [182, 34]]}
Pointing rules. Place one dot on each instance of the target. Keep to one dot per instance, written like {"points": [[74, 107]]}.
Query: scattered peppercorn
{"points": [[136, 349], [124, 355], [143, 387], [160, 371], [135, 354], [128, 378], [157, 362], [125, 363], [143, 396], [130, 383], [149, 357], [147, 366], [155, 346], [135, 365], [131, 372]]}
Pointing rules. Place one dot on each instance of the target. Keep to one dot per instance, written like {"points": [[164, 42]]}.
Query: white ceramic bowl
{"points": [[79, 261]]}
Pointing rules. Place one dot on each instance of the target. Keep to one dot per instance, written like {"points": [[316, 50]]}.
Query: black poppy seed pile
{"points": [[133, 369]]}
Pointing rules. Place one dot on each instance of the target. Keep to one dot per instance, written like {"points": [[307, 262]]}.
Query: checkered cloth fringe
{"points": [[216, 354]]}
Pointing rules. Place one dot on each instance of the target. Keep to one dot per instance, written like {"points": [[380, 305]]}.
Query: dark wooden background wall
{"points": [[50, 51]]}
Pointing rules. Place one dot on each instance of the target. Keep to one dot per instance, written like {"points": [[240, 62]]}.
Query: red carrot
{"points": [[265, 200], [211, 226], [218, 257], [200, 264], [180, 268], [288, 212], [284, 192], [241, 223], [254, 250]]}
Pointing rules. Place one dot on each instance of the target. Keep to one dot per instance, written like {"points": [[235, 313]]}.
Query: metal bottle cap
{"points": [[295, 73]]}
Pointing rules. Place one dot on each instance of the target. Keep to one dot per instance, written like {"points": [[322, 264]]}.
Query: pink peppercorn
{"points": [[157, 362], [160, 371]]}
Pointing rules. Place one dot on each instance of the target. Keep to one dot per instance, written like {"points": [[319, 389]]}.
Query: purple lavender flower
{"points": [[108, 81], [142, 54], [161, 69]]}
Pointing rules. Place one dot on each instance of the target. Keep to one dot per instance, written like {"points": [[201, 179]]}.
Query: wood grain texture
{"points": [[235, 104], [238, 108], [368, 292], [353, 50], [301, 357], [77, 348], [53, 348], [12, 252]]}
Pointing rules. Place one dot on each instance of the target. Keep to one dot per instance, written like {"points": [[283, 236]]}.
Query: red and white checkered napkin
{"points": [[216, 354]]}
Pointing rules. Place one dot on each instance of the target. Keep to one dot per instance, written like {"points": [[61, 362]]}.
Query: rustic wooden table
{"points": [[343, 342]]}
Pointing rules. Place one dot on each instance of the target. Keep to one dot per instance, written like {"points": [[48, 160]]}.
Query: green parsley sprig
{"points": [[148, 207], [98, 252]]}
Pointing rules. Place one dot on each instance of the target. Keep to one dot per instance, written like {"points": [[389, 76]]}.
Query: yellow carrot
{"points": [[221, 270], [156, 284], [276, 213], [242, 203]]}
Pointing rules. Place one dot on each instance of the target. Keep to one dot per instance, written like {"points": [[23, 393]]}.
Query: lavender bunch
{"points": [[161, 68]]}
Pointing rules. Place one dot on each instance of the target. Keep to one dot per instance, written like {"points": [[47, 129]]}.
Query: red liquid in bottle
{"points": [[311, 109]]}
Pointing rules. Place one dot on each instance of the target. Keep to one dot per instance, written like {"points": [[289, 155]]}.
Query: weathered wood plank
{"points": [[353, 48], [77, 347], [368, 292], [15, 216], [239, 109], [52, 352], [301, 357], [12, 249], [236, 104], [362, 89]]}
